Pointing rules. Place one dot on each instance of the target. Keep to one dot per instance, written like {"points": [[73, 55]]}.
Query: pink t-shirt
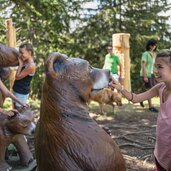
{"points": [[162, 150]]}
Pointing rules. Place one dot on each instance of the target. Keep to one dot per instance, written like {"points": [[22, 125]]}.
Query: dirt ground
{"points": [[133, 129]]}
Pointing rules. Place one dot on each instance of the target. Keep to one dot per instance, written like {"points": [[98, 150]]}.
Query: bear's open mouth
{"points": [[107, 86], [97, 89]]}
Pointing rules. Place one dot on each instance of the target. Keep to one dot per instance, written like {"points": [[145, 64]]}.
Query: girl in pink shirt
{"points": [[162, 150]]}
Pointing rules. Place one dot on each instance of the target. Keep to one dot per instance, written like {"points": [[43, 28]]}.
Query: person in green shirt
{"points": [[112, 62], [147, 68]]}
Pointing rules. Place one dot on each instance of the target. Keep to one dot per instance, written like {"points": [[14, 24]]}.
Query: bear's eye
{"points": [[25, 123]]}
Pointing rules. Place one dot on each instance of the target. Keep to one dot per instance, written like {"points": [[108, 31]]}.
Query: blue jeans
{"points": [[22, 97]]}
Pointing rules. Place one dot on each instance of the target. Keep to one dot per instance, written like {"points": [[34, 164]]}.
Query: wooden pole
{"points": [[120, 43], [11, 42], [11, 33]]}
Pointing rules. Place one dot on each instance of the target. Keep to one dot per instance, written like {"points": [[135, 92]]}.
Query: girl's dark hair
{"points": [[151, 42], [164, 54], [28, 46]]}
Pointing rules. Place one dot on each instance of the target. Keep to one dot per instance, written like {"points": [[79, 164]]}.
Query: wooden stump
{"points": [[120, 43]]}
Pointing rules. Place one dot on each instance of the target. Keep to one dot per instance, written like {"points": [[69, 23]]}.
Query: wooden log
{"points": [[120, 43], [11, 42], [10, 34]]}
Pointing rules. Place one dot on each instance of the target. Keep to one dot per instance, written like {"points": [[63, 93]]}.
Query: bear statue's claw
{"points": [[107, 130], [5, 167], [8, 169]]}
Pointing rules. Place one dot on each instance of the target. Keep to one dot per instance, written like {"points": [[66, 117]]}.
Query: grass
{"points": [[127, 106], [35, 104], [127, 115]]}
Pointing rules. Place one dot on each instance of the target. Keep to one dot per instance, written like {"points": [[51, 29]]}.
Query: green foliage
{"points": [[142, 19], [43, 23], [69, 27]]}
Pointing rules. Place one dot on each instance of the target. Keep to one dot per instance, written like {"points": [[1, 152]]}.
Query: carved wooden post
{"points": [[11, 33], [120, 43], [11, 42]]}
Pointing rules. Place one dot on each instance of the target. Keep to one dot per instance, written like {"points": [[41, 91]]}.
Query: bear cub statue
{"points": [[12, 131]]}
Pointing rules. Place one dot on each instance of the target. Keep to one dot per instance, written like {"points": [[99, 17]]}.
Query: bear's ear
{"points": [[55, 63]]}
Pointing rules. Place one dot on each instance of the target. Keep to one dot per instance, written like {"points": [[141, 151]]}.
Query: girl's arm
{"points": [[7, 93], [135, 98], [23, 73]]}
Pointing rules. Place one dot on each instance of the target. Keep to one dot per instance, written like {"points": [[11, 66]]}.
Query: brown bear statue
{"points": [[12, 131], [67, 138]]}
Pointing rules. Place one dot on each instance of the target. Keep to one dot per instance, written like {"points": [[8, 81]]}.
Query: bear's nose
{"points": [[33, 131]]}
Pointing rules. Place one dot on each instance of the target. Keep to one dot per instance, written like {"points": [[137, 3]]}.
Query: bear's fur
{"points": [[67, 138], [8, 56], [12, 130]]}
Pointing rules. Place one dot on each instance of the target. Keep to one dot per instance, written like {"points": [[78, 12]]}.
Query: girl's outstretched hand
{"points": [[115, 85]]}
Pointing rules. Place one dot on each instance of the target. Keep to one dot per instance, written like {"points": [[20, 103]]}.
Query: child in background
{"points": [[162, 152], [24, 74]]}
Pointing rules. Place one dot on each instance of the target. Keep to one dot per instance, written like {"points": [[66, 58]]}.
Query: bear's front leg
{"points": [[23, 149], [3, 164]]}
